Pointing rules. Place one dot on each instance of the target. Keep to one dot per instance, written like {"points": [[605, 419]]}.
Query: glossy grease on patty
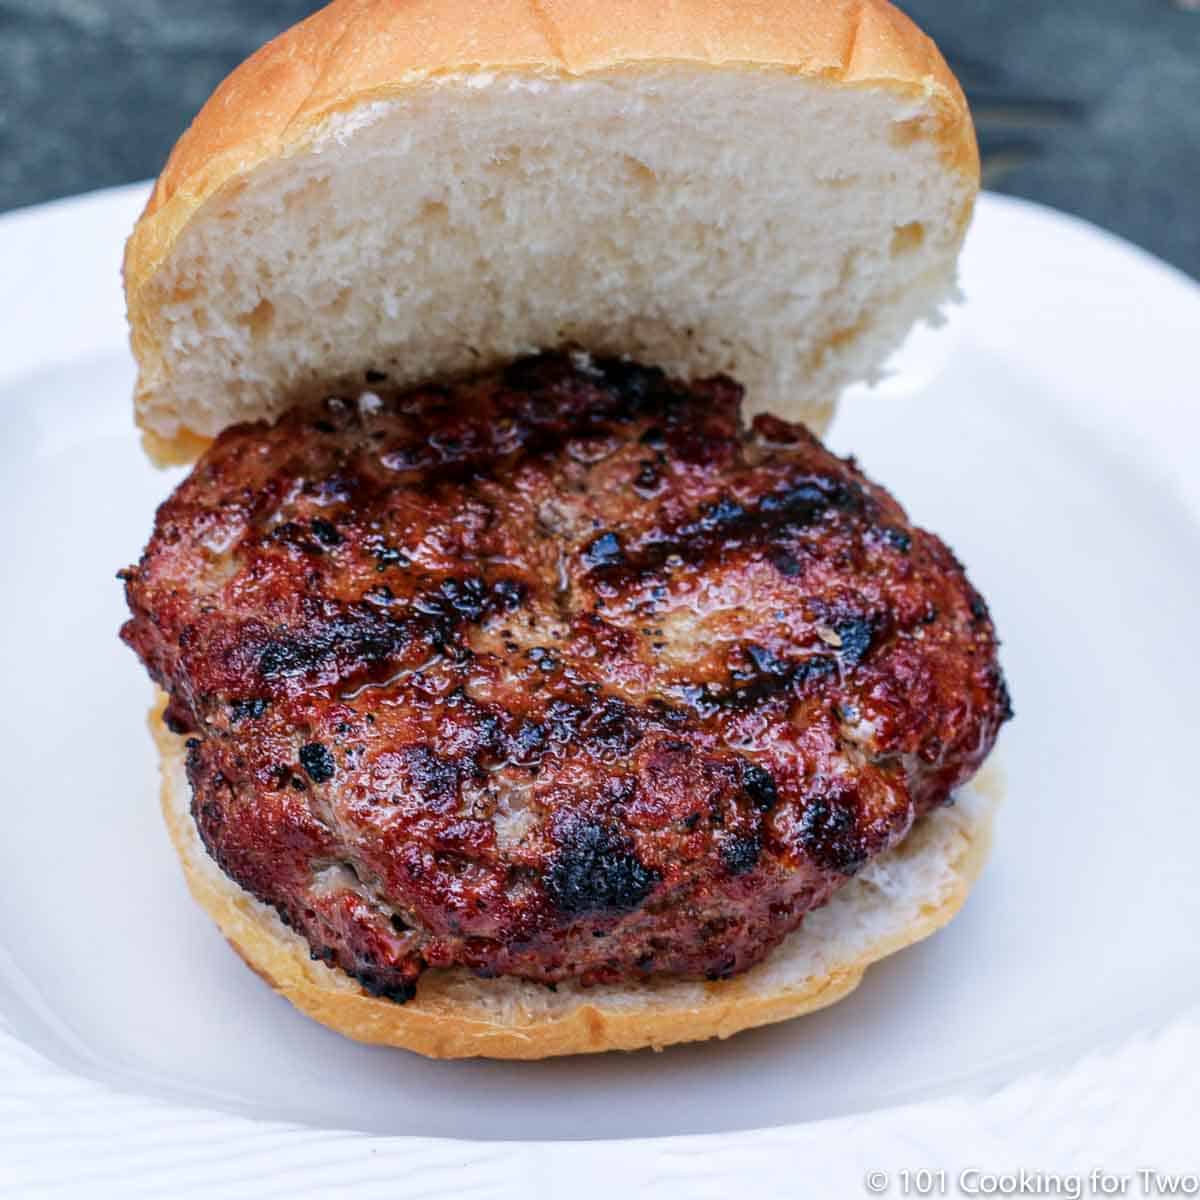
{"points": [[557, 672]]}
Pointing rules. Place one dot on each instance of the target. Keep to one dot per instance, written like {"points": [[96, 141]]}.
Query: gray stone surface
{"points": [[1092, 106]]}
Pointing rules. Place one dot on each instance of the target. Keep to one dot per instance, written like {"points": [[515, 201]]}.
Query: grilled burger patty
{"points": [[558, 672]]}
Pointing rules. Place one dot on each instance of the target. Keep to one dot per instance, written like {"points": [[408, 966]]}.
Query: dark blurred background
{"points": [[1092, 106]]}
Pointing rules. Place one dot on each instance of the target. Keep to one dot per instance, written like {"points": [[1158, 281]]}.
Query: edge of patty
{"points": [[899, 898]]}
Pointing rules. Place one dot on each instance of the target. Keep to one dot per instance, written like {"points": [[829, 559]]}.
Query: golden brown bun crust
{"points": [[440, 1023], [356, 51]]}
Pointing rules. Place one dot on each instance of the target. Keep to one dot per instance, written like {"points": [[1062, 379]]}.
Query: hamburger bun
{"points": [[774, 189]]}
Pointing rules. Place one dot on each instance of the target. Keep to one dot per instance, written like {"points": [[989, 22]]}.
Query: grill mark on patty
{"points": [[536, 413], [360, 639], [351, 641], [748, 693], [721, 527], [614, 389]]}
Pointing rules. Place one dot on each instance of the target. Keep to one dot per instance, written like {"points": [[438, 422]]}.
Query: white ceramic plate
{"points": [[1049, 433]]}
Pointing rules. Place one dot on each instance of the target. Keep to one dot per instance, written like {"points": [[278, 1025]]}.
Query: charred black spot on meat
{"points": [[787, 564], [741, 854], [248, 709], [637, 386], [486, 737], [800, 505], [434, 779], [855, 635], [593, 871], [318, 762], [398, 923], [805, 503], [326, 532], [1000, 684], [829, 833], [468, 599], [529, 742], [509, 594], [766, 663], [563, 718], [898, 539], [724, 512], [542, 658], [613, 727], [293, 534], [647, 479], [388, 556], [292, 656], [759, 785], [465, 598], [604, 551], [386, 987]]}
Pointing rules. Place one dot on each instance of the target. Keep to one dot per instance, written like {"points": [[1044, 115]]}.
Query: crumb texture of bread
{"points": [[774, 190], [897, 899]]}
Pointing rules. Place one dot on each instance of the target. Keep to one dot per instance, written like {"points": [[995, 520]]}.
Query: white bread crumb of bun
{"points": [[897, 899], [774, 189]]}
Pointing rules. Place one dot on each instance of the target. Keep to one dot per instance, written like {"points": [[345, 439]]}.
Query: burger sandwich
{"points": [[533, 681]]}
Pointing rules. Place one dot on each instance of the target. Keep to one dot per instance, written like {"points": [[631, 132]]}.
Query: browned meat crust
{"points": [[556, 673]]}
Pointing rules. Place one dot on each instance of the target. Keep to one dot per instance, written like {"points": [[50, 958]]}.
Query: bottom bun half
{"points": [[897, 899]]}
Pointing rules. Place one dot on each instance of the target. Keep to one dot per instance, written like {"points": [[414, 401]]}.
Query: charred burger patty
{"points": [[558, 673]]}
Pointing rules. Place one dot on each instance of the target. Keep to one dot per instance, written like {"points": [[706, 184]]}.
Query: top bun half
{"points": [[775, 189]]}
